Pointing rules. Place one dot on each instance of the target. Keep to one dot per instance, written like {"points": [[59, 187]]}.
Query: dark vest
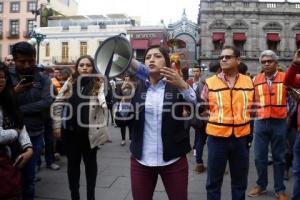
{"points": [[175, 137]]}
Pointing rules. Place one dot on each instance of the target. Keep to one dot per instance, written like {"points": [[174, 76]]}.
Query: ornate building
{"points": [[250, 25], [187, 31]]}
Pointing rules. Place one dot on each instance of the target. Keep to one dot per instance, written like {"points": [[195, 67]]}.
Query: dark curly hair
{"points": [[8, 101]]}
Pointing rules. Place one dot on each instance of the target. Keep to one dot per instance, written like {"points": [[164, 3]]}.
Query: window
{"points": [[1, 27], [272, 45], [210, 4], [271, 5], [65, 52], [65, 28], [240, 46], [15, 7], [47, 50], [14, 27], [246, 4], [83, 48], [10, 48], [297, 5], [30, 25], [1, 7], [228, 4], [31, 5]]}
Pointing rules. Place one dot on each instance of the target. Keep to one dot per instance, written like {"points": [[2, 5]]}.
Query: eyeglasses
{"points": [[227, 57], [266, 61]]}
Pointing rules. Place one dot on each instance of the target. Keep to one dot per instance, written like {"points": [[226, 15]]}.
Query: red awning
{"points": [[140, 44], [297, 38], [218, 37], [273, 37], [155, 41], [239, 37]]}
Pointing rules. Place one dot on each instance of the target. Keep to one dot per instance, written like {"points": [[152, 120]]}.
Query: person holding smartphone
{"points": [[292, 79], [34, 100]]}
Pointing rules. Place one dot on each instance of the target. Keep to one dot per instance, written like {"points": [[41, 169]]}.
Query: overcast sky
{"points": [[150, 11]]}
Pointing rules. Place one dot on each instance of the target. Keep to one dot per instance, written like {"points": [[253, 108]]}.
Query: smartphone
{"points": [[26, 79]]}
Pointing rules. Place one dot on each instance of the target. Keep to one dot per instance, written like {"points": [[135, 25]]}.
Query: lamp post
{"points": [[37, 38]]}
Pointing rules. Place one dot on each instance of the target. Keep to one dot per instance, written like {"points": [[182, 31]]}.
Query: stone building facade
{"points": [[250, 25], [187, 31]]}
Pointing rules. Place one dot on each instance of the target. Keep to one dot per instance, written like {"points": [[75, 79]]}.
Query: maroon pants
{"points": [[174, 178]]}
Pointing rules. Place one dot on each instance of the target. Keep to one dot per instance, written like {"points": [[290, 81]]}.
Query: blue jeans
{"points": [[221, 150], [296, 169], [29, 169], [200, 142], [49, 148], [270, 131]]}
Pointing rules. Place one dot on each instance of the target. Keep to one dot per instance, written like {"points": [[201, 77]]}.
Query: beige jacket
{"points": [[98, 133]]}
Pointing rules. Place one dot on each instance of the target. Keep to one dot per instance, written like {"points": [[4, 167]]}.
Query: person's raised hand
{"points": [[173, 78]]}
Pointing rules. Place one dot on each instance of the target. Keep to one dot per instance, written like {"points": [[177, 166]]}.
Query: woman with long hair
{"points": [[79, 111], [15, 145]]}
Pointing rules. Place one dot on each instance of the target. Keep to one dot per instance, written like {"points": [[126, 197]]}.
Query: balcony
{"points": [[58, 60], [12, 35]]}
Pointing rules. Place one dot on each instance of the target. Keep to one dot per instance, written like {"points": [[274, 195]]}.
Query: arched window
{"points": [[273, 26], [239, 24], [218, 24]]}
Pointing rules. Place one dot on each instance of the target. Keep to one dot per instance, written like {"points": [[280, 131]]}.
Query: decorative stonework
{"points": [[188, 31], [256, 20], [273, 26]]}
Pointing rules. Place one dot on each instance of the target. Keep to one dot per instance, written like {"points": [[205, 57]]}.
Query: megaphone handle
{"points": [[108, 68]]}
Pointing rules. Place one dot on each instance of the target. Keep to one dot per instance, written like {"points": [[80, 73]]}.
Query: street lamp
{"points": [[37, 38]]}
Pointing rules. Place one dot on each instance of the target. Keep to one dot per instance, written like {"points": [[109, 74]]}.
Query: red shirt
{"points": [[292, 78]]}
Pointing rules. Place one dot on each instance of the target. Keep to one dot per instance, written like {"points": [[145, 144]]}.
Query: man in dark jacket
{"points": [[34, 99]]}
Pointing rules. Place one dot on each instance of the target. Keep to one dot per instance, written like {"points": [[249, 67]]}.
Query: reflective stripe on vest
{"points": [[229, 108], [271, 100], [220, 106]]}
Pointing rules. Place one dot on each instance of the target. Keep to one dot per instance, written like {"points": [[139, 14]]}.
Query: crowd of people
{"points": [[66, 111]]}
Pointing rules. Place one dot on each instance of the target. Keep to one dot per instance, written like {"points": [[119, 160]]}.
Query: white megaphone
{"points": [[113, 56]]}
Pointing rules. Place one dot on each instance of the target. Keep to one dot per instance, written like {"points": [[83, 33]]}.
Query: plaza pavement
{"points": [[113, 181]]}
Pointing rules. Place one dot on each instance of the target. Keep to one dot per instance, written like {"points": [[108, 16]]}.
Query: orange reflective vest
{"points": [[56, 84], [271, 101], [229, 108]]}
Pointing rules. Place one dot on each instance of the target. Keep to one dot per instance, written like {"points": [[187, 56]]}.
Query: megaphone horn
{"points": [[113, 56]]}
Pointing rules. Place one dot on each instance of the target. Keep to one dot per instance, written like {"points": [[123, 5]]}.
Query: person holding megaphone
{"points": [[292, 80], [159, 141]]}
